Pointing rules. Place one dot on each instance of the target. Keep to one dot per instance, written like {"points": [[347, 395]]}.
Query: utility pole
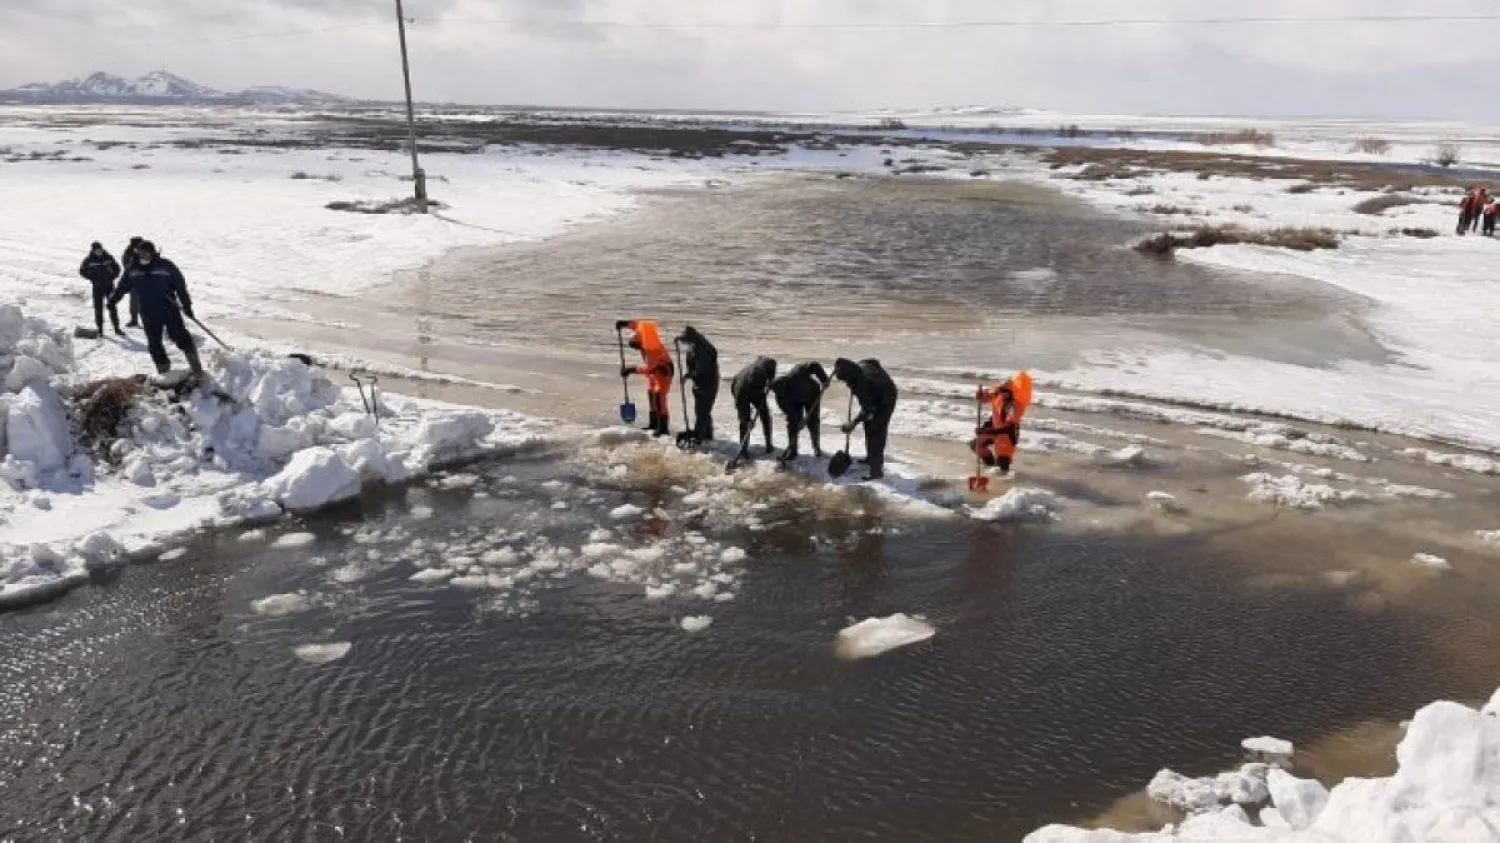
{"points": [[417, 176]]}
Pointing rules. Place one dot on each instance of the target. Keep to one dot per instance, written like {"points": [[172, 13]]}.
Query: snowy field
{"points": [[277, 437]]}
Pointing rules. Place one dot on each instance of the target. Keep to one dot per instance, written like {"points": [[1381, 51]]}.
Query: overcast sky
{"points": [[506, 51]]}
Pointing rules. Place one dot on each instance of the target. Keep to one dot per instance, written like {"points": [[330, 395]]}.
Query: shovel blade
{"points": [[839, 464], [979, 483], [627, 413], [686, 441]]}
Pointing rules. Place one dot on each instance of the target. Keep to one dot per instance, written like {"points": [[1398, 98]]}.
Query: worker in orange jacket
{"points": [[657, 368], [995, 441]]}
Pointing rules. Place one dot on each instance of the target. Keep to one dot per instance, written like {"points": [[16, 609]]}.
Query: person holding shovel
{"points": [[702, 368], [164, 300], [101, 269], [876, 394], [799, 394], [657, 368], [750, 388], [995, 441]]}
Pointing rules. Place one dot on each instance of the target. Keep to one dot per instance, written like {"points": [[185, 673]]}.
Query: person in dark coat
{"points": [[101, 269], [702, 368], [127, 260], [876, 394], [750, 388], [799, 394], [163, 296]]}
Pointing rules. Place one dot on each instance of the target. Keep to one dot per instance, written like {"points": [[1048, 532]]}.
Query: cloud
{"points": [[754, 54]]}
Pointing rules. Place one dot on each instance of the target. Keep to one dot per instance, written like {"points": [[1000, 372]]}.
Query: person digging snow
{"points": [[127, 260], [656, 366], [750, 388], [995, 441], [799, 394], [876, 394], [164, 300], [701, 366], [101, 269]]}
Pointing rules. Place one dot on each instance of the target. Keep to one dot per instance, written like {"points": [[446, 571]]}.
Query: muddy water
{"points": [[1072, 659], [1069, 665]]}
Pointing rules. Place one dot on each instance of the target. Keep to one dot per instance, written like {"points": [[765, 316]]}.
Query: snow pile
{"points": [[1247, 786], [1472, 463], [1489, 536], [35, 439], [1294, 492], [874, 636], [263, 435], [1019, 505], [1285, 438], [1446, 790]]}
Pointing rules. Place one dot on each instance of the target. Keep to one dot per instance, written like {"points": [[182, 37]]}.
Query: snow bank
{"points": [[1446, 790], [874, 636], [1019, 505], [265, 434]]}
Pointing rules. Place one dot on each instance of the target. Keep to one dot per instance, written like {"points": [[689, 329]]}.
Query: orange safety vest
{"points": [[658, 363]]}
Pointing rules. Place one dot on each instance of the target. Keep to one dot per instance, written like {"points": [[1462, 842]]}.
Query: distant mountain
{"points": [[159, 87]]}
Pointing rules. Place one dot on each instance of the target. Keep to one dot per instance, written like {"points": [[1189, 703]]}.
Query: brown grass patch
{"points": [[1312, 175], [393, 206], [1243, 137], [1371, 146], [1207, 236], [1380, 204], [101, 408]]}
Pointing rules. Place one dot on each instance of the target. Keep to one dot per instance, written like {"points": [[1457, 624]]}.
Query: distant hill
{"points": [[159, 87]]}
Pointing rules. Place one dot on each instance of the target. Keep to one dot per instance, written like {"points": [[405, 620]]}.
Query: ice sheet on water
{"points": [[696, 623], [874, 636], [322, 653], [278, 605], [1021, 504], [1431, 562], [626, 512], [432, 574], [294, 540], [1266, 745]]}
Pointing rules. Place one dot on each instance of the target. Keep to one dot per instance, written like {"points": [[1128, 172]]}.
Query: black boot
{"points": [[193, 362], [651, 422], [663, 426]]}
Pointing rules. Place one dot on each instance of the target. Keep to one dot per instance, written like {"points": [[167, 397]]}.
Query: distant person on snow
{"points": [[1490, 210], [101, 269], [657, 368], [127, 260], [163, 301], [799, 394], [995, 441], [750, 388], [876, 394], [701, 366]]}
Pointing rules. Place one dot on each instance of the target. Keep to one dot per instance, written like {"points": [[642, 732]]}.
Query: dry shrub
{"points": [[1244, 209], [1304, 187], [1445, 155], [1243, 137], [393, 206], [1380, 204], [1419, 233], [1372, 146], [1169, 210], [1141, 190], [1107, 172], [102, 406], [1207, 236]]}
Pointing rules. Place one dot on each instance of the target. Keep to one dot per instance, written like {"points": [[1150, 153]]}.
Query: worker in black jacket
{"points": [[702, 368], [750, 388], [876, 394], [101, 269], [163, 297], [127, 260], [799, 394]]}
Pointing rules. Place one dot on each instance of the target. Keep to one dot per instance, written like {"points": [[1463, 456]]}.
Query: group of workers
{"points": [[799, 393], [1477, 209], [158, 298]]}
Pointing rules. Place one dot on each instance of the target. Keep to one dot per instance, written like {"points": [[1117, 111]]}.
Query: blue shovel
{"points": [[627, 409]]}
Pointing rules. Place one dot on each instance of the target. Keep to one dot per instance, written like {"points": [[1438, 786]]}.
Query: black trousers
{"points": [[876, 431], [704, 396], [799, 416], [172, 325], [747, 410], [101, 301]]}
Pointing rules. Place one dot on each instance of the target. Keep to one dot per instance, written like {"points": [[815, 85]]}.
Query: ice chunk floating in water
{"points": [[874, 636], [696, 623], [1267, 746], [279, 604], [322, 653]]}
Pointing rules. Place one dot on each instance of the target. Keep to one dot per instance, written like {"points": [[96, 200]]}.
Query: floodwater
{"points": [[1068, 666], [533, 689]]}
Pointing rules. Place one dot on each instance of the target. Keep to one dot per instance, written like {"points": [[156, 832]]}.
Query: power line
{"points": [[980, 24]]}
